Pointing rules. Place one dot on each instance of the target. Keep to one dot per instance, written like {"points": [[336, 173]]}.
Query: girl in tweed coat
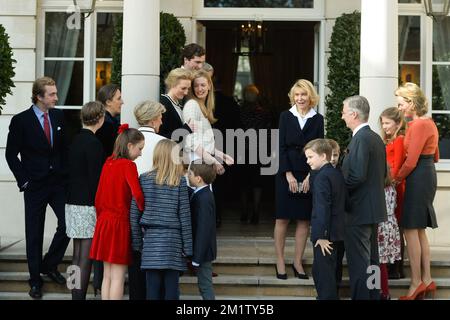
{"points": [[163, 230]]}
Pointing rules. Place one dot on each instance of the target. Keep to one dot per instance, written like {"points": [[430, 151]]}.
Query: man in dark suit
{"points": [[364, 168], [37, 134], [203, 211]]}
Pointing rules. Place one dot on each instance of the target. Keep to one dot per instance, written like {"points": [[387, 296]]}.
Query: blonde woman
{"points": [[178, 82], [298, 125], [149, 117], [162, 232], [199, 110], [421, 147]]}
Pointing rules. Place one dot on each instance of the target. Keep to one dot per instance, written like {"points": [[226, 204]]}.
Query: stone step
{"points": [[250, 286], [229, 266]]}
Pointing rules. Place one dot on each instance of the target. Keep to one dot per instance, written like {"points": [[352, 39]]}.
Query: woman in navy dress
{"points": [[298, 125]]}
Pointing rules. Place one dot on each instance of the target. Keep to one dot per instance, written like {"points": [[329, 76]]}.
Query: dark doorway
{"points": [[283, 53]]}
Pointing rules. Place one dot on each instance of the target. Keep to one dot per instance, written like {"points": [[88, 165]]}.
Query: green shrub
{"points": [[6, 67], [172, 40], [343, 78]]}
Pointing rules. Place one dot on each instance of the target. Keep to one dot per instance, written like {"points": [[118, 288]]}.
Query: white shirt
{"points": [[302, 120], [362, 125], [203, 136], [144, 163]]}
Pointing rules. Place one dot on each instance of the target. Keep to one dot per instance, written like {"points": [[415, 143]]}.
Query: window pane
{"points": [[64, 35], [307, 4], [103, 74], [441, 87], [443, 123], [409, 73], [409, 38], [409, 1], [441, 37], [106, 24], [68, 76]]}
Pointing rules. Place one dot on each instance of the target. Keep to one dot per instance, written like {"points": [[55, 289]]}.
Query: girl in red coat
{"points": [[393, 124], [118, 184]]}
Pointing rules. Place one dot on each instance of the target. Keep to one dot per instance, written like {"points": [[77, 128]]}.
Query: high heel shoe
{"points": [[417, 294], [431, 288], [299, 275], [279, 275]]}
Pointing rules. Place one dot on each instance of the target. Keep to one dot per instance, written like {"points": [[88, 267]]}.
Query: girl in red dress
{"points": [[393, 127], [119, 182]]}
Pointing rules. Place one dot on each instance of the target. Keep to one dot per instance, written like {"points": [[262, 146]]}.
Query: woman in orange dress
{"points": [[421, 146], [112, 236]]}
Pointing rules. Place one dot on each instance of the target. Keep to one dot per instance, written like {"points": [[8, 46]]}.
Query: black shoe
{"points": [[56, 277], [35, 292], [279, 275], [299, 275]]}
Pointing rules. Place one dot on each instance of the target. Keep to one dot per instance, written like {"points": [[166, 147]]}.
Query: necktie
{"points": [[47, 128]]}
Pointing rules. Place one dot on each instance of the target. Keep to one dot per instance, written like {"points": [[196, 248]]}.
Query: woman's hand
{"points": [[293, 185], [219, 168], [228, 160], [305, 184], [192, 125]]}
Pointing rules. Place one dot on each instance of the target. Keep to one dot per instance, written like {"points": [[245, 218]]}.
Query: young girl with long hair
{"points": [[393, 127], [118, 184], [163, 231]]}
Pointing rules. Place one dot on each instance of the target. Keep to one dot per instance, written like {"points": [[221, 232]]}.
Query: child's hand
{"points": [[325, 245]]}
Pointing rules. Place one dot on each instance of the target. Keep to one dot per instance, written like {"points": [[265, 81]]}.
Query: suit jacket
{"points": [[329, 196], [292, 140], [85, 166], [364, 168], [107, 134], [203, 212], [171, 120], [38, 159]]}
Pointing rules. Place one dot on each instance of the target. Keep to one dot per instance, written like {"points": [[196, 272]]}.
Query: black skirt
{"points": [[290, 205], [421, 185]]}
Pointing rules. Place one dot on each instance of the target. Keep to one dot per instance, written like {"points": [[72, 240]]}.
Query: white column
{"points": [[140, 55], [379, 56]]}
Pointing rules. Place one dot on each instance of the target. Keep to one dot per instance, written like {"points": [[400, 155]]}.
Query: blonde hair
{"points": [[167, 163], [175, 76], [147, 111], [310, 91], [393, 113], [412, 93], [208, 108], [320, 146]]}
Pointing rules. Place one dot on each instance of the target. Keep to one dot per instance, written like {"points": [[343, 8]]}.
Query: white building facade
{"points": [[397, 41]]}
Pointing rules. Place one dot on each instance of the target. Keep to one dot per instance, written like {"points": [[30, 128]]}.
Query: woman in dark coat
{"points": [[298, 126], [85, 166]]}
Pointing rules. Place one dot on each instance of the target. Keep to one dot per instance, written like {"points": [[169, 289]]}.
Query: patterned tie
{"points": [[47, 128]]}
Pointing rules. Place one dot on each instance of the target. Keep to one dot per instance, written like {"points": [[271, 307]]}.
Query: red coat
{"points": [[395, 156], [119, 182]]}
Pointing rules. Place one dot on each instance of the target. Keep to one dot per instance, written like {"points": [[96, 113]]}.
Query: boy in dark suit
{"points": [[203, 211], [327, 220]]}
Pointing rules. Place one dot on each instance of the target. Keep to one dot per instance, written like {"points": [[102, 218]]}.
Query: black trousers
{"points": [[324, 272], [361, 247], [37, 195], [137, 282]]}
